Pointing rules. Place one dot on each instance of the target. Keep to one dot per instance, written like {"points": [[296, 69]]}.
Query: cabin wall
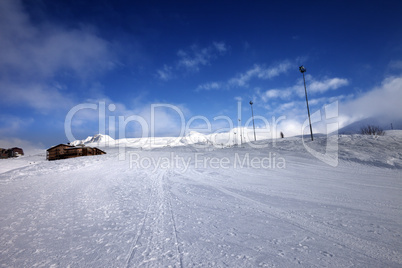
{"points": [[64, 152]]}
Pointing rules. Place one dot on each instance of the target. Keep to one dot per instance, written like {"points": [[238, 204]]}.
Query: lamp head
{"points": [[251, 103], [302, 69]]}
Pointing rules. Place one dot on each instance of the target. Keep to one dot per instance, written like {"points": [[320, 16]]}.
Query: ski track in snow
{"points": [[351, 242], [156, 241], [100, 212]]}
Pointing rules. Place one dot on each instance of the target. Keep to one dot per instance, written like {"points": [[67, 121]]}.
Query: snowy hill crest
{"points": [[98, 139]]}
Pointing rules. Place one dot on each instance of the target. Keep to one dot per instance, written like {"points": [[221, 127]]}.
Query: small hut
{"points": [[12, 152], [64, 151], [15, 151]]}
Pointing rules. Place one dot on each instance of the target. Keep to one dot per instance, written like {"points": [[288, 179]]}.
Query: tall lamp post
{"points": [[234, 139], [303, 70], [252, 114], [241, 132]]}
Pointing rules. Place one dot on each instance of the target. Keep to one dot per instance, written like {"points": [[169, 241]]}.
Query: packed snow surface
{"points": [[187, 206]]}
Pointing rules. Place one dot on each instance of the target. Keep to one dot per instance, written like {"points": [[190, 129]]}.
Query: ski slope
{"points": [[176, 207]]}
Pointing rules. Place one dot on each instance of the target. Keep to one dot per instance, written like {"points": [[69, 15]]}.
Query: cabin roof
{"points": [[71, 147], [99, 150], [61, 144]]}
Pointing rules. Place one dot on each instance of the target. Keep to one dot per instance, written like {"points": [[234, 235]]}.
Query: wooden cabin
{"points": [[15, 151], [3, 153], [64, 151], [12, 152]]}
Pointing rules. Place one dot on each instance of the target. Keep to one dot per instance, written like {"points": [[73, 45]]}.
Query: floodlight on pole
{"points": [[302, 69], [252, 114]]}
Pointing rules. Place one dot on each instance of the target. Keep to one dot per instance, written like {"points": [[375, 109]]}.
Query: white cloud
{"points": [[10, 124], [209, 86], [39, 96], [324, 100], [36, 54], [383, 102], [274, 94], [196, 57], [220, 47], [165, 73], [260, 72], [193, 61], [31, 50], [288, 105], [395, 64], [314, 86], [193, 58], [242, 79], [326, 84]]}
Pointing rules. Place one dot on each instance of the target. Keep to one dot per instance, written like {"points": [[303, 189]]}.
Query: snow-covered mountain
{"points": [[98, 139], [234, 136], [194, 137]]}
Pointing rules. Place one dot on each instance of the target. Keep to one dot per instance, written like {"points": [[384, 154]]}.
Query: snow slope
{"points": [[174, 207], [355, 127]]}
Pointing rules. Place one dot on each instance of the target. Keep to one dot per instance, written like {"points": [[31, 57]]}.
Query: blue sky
{"points": [[200, 56]]}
